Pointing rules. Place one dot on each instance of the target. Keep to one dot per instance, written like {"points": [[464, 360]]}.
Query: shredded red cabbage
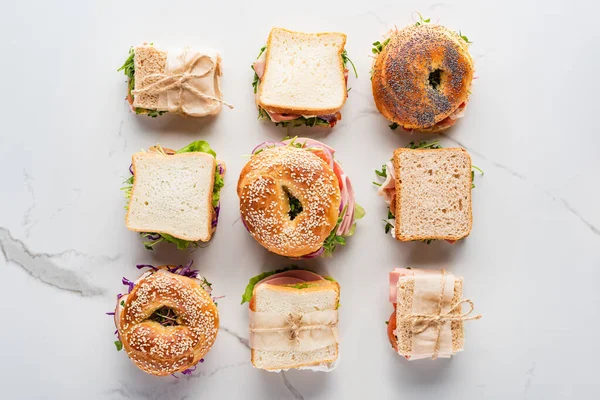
{"points": [[184, 270], [215, 220], [128, 283], [131, 169]]}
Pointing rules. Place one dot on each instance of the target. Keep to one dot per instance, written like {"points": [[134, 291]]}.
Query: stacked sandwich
{"points": [[301, 78], [293, 315], [427, 321], [174, 196], [296, 200], [428, 190], [183, 81]]}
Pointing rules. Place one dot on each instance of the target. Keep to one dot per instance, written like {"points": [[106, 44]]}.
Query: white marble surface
{"points": [[531, 263]]}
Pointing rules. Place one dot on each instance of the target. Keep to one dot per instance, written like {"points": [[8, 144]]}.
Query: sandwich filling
{"points": [[153, 238], [349, 211], [165, 316], [387, 189], [292, 120]]}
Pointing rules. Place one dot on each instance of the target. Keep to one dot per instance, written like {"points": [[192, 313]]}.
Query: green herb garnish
{"points": [[378, 47], [334, 239], [421, 20], [347, 60], [119, 345], [424, 145], [388, 226], [295, 205], [122, 303], [466, 39], [393, 126], [164, 316], [383, 172]]}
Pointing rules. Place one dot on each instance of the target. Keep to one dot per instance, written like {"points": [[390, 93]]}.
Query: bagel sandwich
{"points": [[428, 191], [293, 320], [153, 88], [167, 321], [301, 78], [422, 76], [428, 318], [174, 196], [296, 200]]}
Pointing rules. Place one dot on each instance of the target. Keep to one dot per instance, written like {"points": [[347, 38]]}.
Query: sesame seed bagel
{"points": [[421, 78], [264, 187], [163, 350]]}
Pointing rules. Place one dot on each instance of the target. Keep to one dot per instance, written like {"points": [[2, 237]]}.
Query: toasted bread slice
{"points": [[304, 73], [433, 194], [320, 295], [404, 305], [172, 194]]}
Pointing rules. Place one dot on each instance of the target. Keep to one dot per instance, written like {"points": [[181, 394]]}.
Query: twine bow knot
{"points": [[180, 81], [421, 322]]}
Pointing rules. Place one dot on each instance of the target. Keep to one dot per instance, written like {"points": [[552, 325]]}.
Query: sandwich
{"points": [[174, 196], [422, 76], [167, 321], [301, 78], [296, 200], [428, 191], [293, 320], [427, 321], [183, 81]]}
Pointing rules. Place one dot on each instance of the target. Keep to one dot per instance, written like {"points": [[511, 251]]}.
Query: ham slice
{"points": [[297, 275], [259, 65], [394, 277], [388, 187]]}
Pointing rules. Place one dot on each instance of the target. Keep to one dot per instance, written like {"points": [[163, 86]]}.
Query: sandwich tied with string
{"points": [[428, 319]]}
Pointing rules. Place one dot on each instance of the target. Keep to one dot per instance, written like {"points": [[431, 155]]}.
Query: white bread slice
{"points": [[304, 73], [324, 295], [172, 194], [433, 194]]}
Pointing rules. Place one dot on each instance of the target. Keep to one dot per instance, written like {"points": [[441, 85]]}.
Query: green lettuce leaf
{"points": [[200, 146], [247, 296]]}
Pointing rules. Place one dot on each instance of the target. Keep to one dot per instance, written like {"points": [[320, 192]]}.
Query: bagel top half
{"points": [[422, 76], [264, 188]]}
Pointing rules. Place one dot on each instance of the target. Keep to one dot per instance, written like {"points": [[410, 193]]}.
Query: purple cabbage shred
{"points": [[128, 283], [131, 169]]}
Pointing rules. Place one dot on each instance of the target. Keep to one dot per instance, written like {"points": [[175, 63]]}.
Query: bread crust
{"points": [[264, 203], [400, 79], [172, 153], [319, 286], [398, 203], [274, 108], [160, 350]]}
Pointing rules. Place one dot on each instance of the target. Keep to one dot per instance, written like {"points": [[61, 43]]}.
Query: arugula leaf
{"points": [[200, 146], [378, 47], [119, 345], [247, 296], [388, 226], [295, 205], [424, 145], [347, 60], [463, 37], [383, 172], [393, 126]]}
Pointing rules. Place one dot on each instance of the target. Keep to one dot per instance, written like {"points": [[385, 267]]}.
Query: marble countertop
{"points": [[530, 264]]}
